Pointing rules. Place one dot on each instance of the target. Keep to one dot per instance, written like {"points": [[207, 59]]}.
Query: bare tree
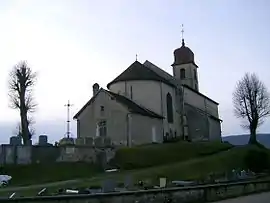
{"points": [[251, 103], [18, 129], [21, 82]]}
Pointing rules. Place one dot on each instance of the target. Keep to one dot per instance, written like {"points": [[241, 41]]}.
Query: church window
{"points": [[182, 73], [101, 108], [102, 128], [195, 74], [169, 108]]}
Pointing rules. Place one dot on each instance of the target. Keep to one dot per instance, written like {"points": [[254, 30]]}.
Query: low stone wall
{"points": [[49, 154], [184, 195]]}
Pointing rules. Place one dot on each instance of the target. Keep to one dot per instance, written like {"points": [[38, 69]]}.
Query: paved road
{"points": [[260, 198]]}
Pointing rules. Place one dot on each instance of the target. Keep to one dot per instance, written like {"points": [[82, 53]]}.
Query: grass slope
{"points": [[195, 168], [42, 173], [160, 154]]}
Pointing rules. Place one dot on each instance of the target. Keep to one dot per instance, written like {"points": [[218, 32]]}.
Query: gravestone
{"points": [[108, 186], [15, 140], [43, 140], [162, 182], [128, 182]]}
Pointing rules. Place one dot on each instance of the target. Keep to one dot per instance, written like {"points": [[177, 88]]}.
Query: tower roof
{"points": [[183, 55]]}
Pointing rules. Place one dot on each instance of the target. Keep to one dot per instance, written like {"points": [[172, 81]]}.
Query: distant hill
{"points": [[243, 139]]}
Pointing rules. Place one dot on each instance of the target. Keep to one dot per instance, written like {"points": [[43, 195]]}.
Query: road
{"points": [[260, 198]]}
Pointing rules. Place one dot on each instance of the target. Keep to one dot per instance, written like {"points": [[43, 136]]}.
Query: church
{"points": [[145, 104]]}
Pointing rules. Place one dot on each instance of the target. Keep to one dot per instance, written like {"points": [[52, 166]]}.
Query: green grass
{"points": [[184, 170], [182, 161], [42, 173], [160, 154]]}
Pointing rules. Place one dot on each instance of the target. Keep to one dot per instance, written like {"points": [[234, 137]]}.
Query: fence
{"points": [[203, 193]]}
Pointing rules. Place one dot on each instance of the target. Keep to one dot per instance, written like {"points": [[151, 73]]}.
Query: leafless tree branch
{"points": [[251, 102], [20, 85]]}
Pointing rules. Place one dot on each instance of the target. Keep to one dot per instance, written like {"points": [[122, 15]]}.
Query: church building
{"points": [[145, 104]]}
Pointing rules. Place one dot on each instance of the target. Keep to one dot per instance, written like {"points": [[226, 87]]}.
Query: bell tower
{"points": [[184, 66]]}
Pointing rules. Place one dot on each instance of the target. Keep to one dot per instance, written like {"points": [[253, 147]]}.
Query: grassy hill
{"points": [[160, 154], [182, 161]]}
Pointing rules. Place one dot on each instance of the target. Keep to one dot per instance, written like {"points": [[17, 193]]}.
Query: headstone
{"points": [[43, 140], [108, 186], [162, 182], [15, 140], [128, 182]]}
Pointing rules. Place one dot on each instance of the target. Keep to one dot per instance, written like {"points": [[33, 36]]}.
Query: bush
{"points": [[257, 160]]}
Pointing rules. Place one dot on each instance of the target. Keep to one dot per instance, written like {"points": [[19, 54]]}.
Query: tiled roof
{"points": [[138, 71]]}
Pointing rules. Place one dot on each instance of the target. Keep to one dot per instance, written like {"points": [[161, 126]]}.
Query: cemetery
{"points": [[120, 170], [68, 150]]}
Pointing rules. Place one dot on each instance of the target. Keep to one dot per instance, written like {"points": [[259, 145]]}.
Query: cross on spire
{"points": [[183, 42], [136, 57], [68, 105], [182, 31]]}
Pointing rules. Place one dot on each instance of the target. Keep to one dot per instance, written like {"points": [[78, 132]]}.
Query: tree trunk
{"points": [[24, 126], [252, 138]]}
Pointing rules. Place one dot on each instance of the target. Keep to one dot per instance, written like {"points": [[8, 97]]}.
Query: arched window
{"points": [[182, 73], [195, 74], [169, 108]]}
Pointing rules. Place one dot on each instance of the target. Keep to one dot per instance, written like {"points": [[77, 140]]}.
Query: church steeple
{"points": [[183, 42], [184, 66]]}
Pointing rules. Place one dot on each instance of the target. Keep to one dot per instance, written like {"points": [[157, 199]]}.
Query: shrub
{"points": [[257, 160]]}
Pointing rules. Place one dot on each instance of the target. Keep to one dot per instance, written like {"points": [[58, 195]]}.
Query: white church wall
{"points": [[118, 88], [212, 108], [146, 130], [143, 92], [152, 95], [114, 114], [200, 102]]}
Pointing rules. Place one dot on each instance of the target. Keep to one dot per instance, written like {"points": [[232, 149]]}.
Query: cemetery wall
{"points": [[206, 193], [10, 154]]}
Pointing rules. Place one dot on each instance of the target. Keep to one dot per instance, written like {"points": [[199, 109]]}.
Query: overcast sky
{"points": [[75, 43]]}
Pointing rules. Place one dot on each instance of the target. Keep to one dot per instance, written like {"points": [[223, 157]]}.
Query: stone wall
{"points": [[48, 154], [173, 195]]}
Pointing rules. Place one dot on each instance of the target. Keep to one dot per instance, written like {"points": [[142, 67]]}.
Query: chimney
{"points": [[95, 89]]}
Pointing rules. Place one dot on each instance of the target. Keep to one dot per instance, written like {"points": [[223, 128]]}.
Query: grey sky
{"points": [[75, 43]]}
